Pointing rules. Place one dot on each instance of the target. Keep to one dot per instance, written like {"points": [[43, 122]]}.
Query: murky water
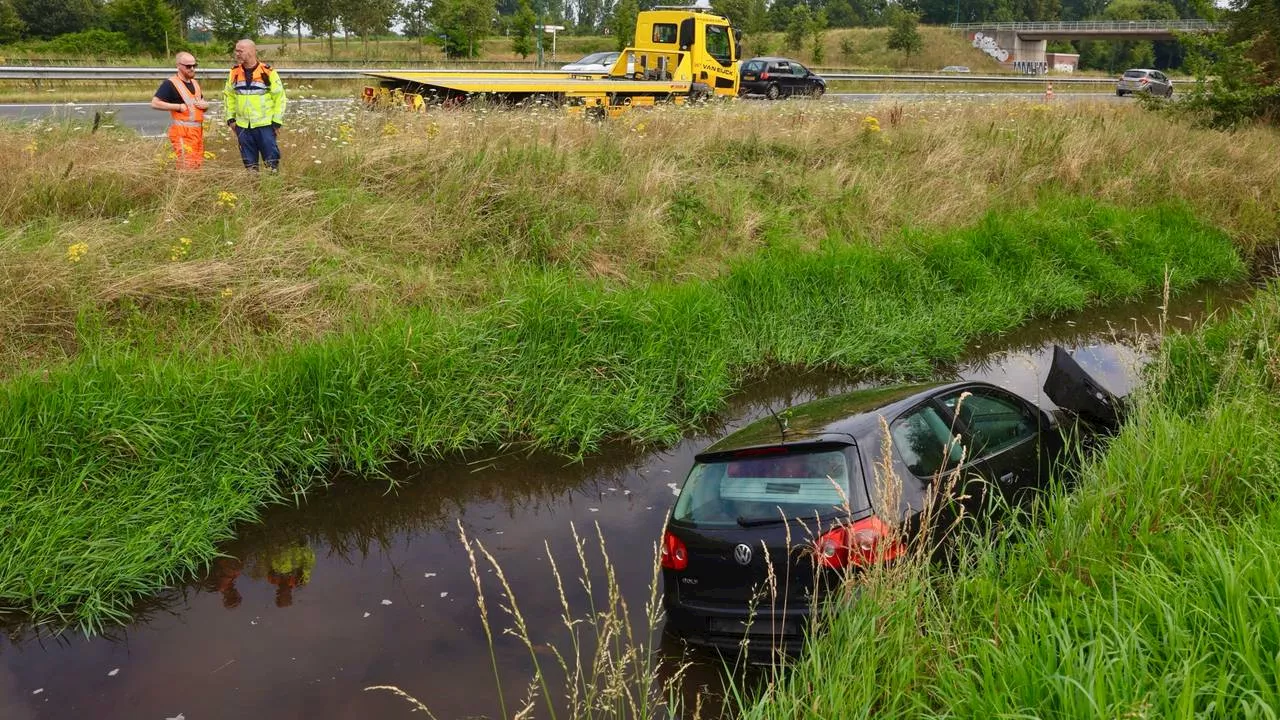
{"points": [[370, 585]]}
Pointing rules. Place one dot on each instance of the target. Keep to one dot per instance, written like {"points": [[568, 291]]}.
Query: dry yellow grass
{"points": [[376, 212]]}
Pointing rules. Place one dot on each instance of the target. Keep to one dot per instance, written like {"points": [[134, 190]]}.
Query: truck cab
{"points": [[688, 44]]}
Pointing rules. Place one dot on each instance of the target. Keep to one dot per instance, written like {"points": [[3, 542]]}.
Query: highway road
{"points": [[148, 122]]}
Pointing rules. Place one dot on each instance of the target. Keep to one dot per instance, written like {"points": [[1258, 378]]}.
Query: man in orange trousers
{"points": [[180, 95]]}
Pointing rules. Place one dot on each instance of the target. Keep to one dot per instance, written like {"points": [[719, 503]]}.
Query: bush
{"points": [[89, 42]]}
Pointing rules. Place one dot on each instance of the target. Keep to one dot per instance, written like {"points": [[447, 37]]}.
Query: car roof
{"points": [[837, 418], [771, 58]]}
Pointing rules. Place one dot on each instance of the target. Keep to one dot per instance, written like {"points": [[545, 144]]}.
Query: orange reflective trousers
{"points": [[188, 145]]}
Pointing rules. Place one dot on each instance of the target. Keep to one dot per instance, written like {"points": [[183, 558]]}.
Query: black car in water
{"points": [[775, 77], [775, 514]]}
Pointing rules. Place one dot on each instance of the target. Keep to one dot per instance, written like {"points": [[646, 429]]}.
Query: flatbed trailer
{"points": [[679, 54]]}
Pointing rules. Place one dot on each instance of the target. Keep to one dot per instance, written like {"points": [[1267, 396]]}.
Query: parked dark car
{"points": [[775, 77], [1141, 80], [773, 516]]}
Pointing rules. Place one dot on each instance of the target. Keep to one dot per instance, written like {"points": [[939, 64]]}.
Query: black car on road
{"points": [[774, 515], [775, 77]]}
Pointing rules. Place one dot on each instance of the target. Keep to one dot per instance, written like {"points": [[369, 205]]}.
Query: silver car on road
{"points": [[1142, 80]]}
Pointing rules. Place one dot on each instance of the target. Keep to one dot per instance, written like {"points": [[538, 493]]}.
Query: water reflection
{"points": [[368, 584]]}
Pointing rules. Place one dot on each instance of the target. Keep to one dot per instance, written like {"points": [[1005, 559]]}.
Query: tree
{"points": [[1237, 71], [624, 23], [233, 20], [147, 23], [49, 18], [11, 26], [187, 9], [463, 24], [321, 16], [817, 33], [281, 14], [366, 18], [903, 33], [414, 17], [522, 29], [798, 28]]}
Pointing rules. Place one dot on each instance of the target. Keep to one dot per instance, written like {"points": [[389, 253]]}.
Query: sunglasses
{"points": [[189, 65]]}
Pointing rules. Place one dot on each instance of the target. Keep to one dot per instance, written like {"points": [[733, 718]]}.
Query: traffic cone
{"points": [[1048, 93]]}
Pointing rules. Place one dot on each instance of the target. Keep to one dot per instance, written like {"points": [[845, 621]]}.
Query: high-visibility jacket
{"points": [[254, 99], [189, 115]]}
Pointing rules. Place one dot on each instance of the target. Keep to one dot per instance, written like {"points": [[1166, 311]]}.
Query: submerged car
{"points": [[775, 77], [772, 517], [597, 62], [1144, 81]]}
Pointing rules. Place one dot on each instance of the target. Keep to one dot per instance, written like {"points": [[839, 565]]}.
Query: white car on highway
{"points": [[598, 62]]}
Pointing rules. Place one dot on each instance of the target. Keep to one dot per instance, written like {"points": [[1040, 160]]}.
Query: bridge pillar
{"points": [[1019, 49]]}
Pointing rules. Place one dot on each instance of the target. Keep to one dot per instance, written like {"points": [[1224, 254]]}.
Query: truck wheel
{"points": [[772, 92]]}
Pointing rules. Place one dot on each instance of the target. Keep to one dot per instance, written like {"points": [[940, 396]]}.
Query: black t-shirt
{"points": [[168, 93]]}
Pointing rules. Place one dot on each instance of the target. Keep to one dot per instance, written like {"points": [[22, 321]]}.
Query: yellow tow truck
{"points": [[680, 54]]}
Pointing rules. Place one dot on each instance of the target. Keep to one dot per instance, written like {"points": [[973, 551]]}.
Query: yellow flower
{"points": [[871, 124], [226, 292], [31, 148], [433, 130], [346, 132], [185, 240], [76, 251], [227, 199], [389, 129], [208, 155]]}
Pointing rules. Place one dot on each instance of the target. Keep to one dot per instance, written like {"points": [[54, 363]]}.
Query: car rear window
{"points": [[754, 66], [1135, 73], [797, 485]]}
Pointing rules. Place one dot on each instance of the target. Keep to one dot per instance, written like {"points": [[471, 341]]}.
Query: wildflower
{"points": [[226, 292], [433, 130], [871, 124], [208, 155], [346, 132], [185, 241], [31, 148], [180, 249], [227, 199], [389, 129], [76, 251]]}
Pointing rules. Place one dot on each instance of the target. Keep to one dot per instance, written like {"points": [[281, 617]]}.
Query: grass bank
{"points": [[416, 286], [1147, 592]]}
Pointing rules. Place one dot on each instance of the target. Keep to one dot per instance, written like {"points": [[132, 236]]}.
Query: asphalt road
{"points": [[140, 116]]}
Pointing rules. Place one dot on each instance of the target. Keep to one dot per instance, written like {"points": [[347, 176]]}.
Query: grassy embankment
{"points": [[421, 285], [1148, 592]]}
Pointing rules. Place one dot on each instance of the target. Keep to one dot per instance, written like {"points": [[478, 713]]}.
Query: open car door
{"points": [[1071, 388]]}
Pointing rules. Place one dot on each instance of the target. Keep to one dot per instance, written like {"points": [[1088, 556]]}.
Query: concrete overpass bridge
{"points": [[1024, 43]]}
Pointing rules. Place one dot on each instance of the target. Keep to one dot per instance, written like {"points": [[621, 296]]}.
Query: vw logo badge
{"points": [[742, 553]]}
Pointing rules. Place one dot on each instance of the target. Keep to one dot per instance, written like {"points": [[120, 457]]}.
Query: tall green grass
{"points": [[1148, 591], [122, 471]]}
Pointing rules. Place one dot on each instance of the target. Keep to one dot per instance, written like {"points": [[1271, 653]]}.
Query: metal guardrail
{"points": [[49, 72], [122, 73], [1094, 26]]}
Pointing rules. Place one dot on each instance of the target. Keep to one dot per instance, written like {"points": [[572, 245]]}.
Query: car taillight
{"points": [[674, 554], [860, 545], [1143, 81], [764, 75]]}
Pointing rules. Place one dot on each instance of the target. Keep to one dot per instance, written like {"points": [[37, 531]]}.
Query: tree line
{"points": [[105, 27]]}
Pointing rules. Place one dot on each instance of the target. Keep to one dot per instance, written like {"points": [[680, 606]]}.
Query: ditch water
{"points": [[366, 585]]}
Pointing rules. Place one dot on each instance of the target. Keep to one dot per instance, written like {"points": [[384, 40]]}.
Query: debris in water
{"points": [[37, 691], [675, 489], [179, 716], [367, 614], [386, 602], [428, 575], [594, 509], [113, 673], [444, 594], [648, 507]]}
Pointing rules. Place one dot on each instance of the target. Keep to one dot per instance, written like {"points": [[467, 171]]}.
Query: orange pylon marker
{"points": [[1048, 93]]}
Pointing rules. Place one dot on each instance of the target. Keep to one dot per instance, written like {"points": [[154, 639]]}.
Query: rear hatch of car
{"points": [[749, 523], [1134, 80]]}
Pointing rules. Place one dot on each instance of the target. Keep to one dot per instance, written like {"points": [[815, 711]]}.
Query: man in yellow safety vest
{"points": [[180, 95], [254, 100]]}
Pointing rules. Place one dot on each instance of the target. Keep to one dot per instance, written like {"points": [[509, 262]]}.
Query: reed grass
{"points": [[427, 288], [1146, 592]]}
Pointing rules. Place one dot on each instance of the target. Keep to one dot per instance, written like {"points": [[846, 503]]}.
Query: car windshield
{"points": [[593, 59], [762, 488], [1134, 73]]}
